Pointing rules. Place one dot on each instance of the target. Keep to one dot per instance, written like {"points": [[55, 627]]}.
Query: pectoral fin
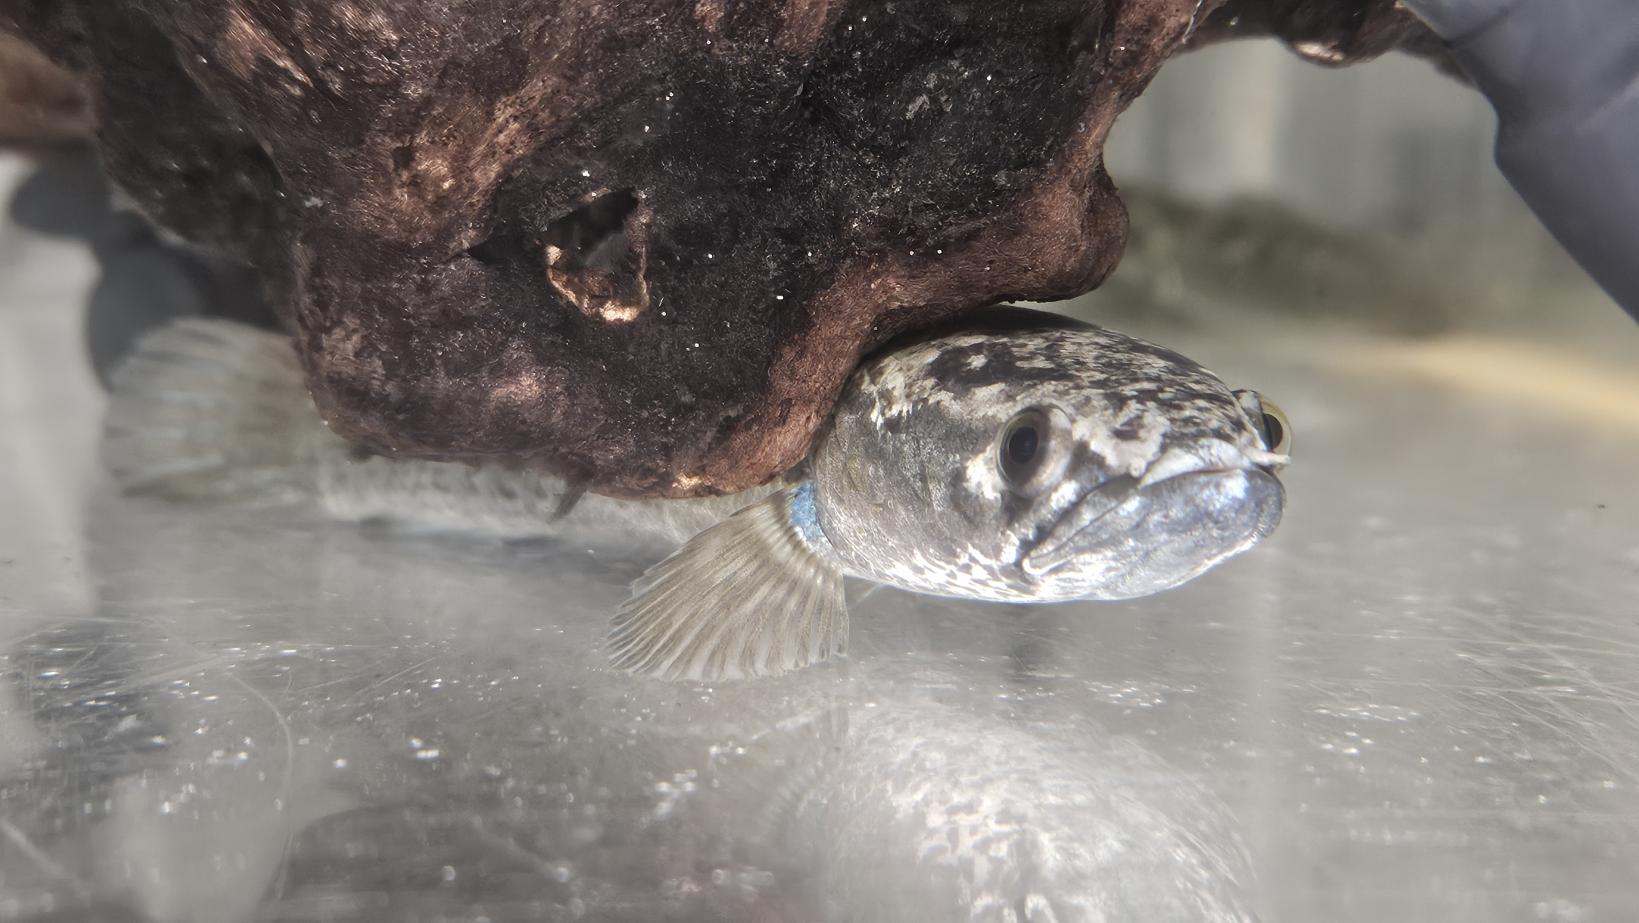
{"points": [[751, 596]]}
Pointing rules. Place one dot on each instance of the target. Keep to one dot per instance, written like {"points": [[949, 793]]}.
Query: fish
{"points": [[1011, 456]]}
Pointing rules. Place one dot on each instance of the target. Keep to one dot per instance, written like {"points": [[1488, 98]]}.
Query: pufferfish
{"points": [[1013, 456]]}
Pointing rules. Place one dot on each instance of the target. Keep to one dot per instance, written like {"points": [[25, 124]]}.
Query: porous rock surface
{"points": [[637, 242]]}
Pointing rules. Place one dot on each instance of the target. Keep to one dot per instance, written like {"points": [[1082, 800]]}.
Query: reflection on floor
{"points": [[1417, 702]]}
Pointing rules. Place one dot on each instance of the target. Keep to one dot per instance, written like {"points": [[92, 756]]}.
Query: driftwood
{"points": [[638, 242], [41, 105]]}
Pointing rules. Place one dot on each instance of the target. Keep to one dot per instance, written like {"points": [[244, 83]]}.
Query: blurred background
{"points": [[1418, 700], [1366, 193]]}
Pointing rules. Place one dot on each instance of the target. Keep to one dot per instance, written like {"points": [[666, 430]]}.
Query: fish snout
{"points": [[1205, 455], [1192, 508]]}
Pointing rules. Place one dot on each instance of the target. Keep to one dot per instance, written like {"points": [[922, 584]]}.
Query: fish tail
{"points": [[209, 408]]}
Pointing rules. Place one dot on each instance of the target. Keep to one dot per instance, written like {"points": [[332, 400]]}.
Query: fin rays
{"points": [[747, 597], [209, 408]]}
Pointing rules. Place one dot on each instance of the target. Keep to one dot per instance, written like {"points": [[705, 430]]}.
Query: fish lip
{"points": [[1041, 547], [1049, 541]]}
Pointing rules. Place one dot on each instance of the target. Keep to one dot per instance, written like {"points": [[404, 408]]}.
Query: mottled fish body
{"points": [[1020, 457], [503, 502]]}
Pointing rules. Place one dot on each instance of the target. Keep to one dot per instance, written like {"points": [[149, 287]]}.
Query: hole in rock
{"points": [[597, 255]]}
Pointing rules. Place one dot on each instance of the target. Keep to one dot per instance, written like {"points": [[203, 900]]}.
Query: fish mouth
{"points": [[1054, 549], [1130, 537]]}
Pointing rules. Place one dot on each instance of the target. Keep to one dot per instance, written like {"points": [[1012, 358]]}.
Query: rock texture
{"points": [[41, 105], [639, 242]]}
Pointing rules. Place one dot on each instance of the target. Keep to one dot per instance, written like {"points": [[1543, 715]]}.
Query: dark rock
{"points": [[41, 105], [642, 242]]}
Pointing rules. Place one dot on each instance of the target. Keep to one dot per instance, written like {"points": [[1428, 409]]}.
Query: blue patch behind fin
{"points": [[803, 513]]}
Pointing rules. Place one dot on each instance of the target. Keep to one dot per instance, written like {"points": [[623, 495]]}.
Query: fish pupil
{"points": [[1271, 426], [1022, 445], [1025, 448]]}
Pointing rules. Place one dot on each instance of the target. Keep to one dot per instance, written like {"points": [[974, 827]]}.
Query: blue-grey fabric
{"points": [[1563, 76], [1452, 20]]}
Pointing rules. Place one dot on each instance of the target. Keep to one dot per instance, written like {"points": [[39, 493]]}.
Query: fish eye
{"points": [[1277, 430], [1269, 419], [1022, 442], [1032, 450]]}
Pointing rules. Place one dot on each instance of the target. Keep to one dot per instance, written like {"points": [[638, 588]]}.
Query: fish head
{"points": [[1029, 458]]}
